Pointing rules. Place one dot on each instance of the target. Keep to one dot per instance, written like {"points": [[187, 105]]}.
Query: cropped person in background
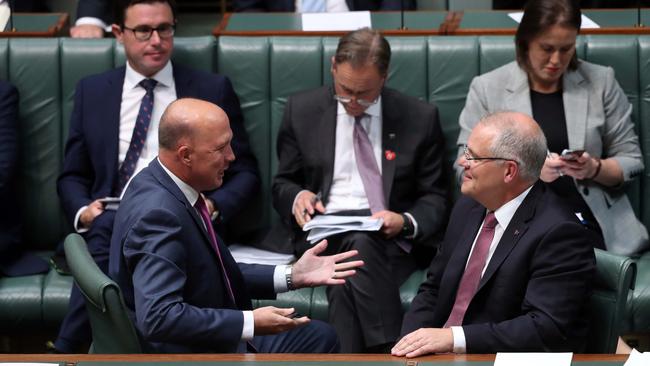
{"points": [[311, 6], [93, 18], [113, 135], [13, 260], [580, 107], [515, 269]]}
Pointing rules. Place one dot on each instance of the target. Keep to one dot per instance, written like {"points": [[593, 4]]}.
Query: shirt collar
{"points": [[505, 213], [164, 77], [374, 110], [191, 194]]}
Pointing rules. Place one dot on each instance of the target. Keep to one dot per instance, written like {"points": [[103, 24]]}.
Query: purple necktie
{"points": [[473, 272], [138, 138], [367, 166], [205, 215]]}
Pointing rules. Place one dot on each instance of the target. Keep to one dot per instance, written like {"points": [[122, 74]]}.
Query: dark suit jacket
{"points": [[533, 293], [101, 9], [91, 156], [13, 261], [289, 5], [414, 181], [170, 275]]}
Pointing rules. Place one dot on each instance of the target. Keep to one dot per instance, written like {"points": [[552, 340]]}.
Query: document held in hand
{"points": [[322, 226]]}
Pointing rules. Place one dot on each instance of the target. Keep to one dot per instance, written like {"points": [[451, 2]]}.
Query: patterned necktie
{"points": [[313, 6], [139, 136], [473, 272], [205, 215], [367, 166]]}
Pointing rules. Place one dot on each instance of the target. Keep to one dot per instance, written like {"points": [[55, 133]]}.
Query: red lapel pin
{"points": [[390, 155]]}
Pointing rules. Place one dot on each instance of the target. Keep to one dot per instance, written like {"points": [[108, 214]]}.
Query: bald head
{"points": [[194, 139], [518, 137], [185, 118]]}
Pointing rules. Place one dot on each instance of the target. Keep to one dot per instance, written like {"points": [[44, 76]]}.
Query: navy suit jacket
{"points": [[170, 275], [91, 156], [289, 5], [101, 9], [13, 260], [533, 294]]}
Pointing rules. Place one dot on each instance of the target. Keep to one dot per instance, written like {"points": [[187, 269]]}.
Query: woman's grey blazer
{"points": [[598, 120]]}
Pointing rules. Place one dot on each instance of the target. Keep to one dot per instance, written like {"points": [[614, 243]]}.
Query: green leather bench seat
{"points": [[264, 72]]}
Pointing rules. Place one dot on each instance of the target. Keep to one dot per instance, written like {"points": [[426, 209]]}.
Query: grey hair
{"points": [[524, 145]]}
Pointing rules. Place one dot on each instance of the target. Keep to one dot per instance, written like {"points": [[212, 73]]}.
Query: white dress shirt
{"points": [[503, 215], [333, 6], [132, 94], [279, 280]]}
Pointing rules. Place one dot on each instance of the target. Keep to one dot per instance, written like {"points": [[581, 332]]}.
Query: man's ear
{"points": [[117, 32], [511, 172], [184, 153]]}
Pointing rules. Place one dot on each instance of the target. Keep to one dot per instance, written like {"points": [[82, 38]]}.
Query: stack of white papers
{"points": [[322, 226], [533, 359], [637, 358], [247, 254]]}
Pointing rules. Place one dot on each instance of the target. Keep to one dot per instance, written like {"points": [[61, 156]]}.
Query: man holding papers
{"points": [[514, 270], [357, 148]]}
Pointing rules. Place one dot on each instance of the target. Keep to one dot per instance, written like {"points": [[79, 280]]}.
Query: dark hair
{"points": [[362, 46], [539, 16], [122, 5]]}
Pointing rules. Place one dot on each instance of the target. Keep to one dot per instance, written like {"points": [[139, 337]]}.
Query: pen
{"points": [[313, 201]]}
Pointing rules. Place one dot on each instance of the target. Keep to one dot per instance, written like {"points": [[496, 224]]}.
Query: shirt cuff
{"points": [[415, 226], [459, 340], [92, 21], [279, 279], [78, 229], [248, 331]]}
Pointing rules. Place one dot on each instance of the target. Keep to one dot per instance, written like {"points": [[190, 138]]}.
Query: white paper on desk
{"points": [[247, 254], [322, 226], [533, 359], [585, 22], [4, 15], [347, 21], [638, 359]]}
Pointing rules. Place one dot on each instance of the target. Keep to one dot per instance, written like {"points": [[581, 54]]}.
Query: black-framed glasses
{"points": [[144, 32], [468, 156]]}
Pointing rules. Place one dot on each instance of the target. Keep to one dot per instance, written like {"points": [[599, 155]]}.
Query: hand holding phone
{"points": [[570, 155]]}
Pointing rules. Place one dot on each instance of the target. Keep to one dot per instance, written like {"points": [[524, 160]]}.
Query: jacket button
{"points": [[585, 190]]}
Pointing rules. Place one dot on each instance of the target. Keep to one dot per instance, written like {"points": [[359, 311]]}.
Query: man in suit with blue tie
{"points": [[113, 135], [185, 291], [515, 268]]}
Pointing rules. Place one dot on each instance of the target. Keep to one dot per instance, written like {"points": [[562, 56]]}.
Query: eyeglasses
{"points": [[361, 102], [143, 32], [468, 156]]}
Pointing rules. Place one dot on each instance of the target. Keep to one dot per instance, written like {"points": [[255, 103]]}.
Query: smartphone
{"points": [[295, 315], [110, 203], [568, 154]]}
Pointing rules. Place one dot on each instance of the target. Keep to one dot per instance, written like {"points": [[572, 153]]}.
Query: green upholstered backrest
{"points": [[607, 305], [112, 330]]}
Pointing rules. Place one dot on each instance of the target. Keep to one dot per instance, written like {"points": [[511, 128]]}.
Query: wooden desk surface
{"points": [[603, 360]]}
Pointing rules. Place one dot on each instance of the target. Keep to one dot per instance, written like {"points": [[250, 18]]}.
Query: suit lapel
{"points": [[389, 137], [111, 120], [515, 231], [518, 92], [327, 140], [576, 100], [185, 88]]}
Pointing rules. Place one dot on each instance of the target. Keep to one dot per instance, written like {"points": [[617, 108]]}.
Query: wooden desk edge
{"points": [[267, 357]]}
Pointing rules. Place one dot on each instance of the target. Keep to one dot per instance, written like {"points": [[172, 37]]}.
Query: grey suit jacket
{"points": [[598, 120]]}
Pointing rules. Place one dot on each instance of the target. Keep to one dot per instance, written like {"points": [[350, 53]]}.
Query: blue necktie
{"points": [[139, 136], [313, 6]]}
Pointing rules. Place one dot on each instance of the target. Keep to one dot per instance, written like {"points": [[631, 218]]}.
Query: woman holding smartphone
{"points": [[584, 113]]}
